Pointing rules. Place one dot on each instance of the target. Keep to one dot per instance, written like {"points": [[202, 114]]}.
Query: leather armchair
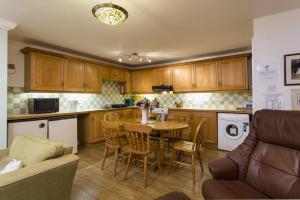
{"points": [[266, 165]]}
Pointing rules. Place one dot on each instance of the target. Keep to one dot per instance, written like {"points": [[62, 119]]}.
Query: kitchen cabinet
{"points": [[113, 74], [162, 76], [185, 117], [205, 76], [92, 78], [73, 76], [43, 72], [128, 82], [210, 128], [183, 80], [142, 81], [233, 74]]}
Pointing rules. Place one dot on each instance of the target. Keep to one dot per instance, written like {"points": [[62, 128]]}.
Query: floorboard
{"points": [[91, 183]]}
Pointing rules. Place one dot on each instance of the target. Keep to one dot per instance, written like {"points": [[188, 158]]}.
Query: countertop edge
{"points": [[14, 117]]}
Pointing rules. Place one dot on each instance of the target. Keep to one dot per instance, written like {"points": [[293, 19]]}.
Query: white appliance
{"points": [[63, 129], [232, 130], [60, 129], [33, 127]]}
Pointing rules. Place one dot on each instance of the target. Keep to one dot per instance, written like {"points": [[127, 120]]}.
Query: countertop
{"points": [[82, 112]]}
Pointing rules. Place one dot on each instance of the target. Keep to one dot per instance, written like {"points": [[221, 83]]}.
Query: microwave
{"points": [[43, 105]]}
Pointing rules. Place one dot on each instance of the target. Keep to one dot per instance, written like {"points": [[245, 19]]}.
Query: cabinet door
{"points": [[206, 76], [210, 128], [127, 114], [96, 126], [118, 74], [92, 78], [73, 76], [128, 82], [144, 81], [137, 113], [162, 76], [43, 72], [183, 78], [233, 74], [106, 73]]}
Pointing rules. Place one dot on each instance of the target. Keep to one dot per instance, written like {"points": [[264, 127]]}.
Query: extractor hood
{"points": [[162, 88]]}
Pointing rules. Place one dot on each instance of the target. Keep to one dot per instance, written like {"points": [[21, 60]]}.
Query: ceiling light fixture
{"points": [[134, 58], [110, 13]]}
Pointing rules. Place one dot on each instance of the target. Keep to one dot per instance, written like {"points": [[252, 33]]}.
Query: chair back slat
{"points": [[183, 118], [138, 137], [198, 137], [111, 116], [112, 133]]}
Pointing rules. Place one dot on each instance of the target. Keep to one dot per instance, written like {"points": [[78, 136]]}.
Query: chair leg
{"points": [[128, 163], [193, 167], [116, 161], [105, 156], [145, 169], [158, 161], [200, 161]]}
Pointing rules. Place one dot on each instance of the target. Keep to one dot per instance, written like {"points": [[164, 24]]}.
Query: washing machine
{"points": [[232, 130]]}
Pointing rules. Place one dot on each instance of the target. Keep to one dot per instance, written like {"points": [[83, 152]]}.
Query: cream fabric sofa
{"points": [[50, 179]]}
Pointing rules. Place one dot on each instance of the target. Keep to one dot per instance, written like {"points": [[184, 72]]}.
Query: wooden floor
{"points": [[91, 183]]}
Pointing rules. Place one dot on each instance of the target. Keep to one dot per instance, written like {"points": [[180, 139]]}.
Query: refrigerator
{"points": [[60, 129]]}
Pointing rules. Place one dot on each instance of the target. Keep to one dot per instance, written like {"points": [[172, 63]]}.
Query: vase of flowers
{"points": [[145, 106]]}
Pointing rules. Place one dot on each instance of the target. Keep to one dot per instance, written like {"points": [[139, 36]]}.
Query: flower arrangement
{"points": [[144, 103]]}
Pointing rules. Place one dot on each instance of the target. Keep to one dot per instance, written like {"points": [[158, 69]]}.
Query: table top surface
{"points": [[159, 125]]}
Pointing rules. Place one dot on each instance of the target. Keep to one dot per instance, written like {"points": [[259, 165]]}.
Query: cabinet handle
{"points": [[62, 84], [42, 125]]}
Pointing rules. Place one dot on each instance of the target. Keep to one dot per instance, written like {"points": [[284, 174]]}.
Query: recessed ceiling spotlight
{"points": [[110, 13], [129, 58], [120, 60], [149, 61], [141, 59]]}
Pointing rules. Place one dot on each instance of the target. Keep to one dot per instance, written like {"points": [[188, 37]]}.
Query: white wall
{"points": [[3, 88], [274, 36]]}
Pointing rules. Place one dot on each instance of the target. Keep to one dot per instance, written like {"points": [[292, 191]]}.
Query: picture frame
{"points": [[292, 69]]}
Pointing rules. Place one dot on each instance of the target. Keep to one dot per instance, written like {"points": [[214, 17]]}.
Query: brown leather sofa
{"points": [[266, 165]]}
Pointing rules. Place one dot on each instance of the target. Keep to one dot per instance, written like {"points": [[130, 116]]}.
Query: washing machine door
{"points": [[233, 131]]}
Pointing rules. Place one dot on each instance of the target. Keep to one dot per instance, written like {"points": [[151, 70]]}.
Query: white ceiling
{"points": [[164, 30]]}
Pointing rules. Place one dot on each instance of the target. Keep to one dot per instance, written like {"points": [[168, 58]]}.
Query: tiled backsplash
{"points": [[220, 100], [17, 99]]}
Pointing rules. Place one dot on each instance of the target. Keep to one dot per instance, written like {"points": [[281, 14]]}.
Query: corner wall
{"points": [[3, 88], [274, 36]]}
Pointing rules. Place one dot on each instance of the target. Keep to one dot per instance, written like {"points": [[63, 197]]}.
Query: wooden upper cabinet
{"points": [[113, 74], [128, 82], [92, 78], [183, 78], [43, 72], [73, 76], [233, 74], [118, 74], [206, 76], [142, 81], [162, 76]]}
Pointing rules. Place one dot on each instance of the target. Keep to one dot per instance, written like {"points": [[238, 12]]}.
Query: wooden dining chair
{"points": [[192, 148], [141, 145], [111, 116], [176, 135], [115, 140]]}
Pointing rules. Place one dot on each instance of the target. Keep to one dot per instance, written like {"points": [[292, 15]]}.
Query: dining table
{"points": [[162, 128]]}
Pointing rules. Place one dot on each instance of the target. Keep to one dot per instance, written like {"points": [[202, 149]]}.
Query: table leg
{"points": [[162, 146]]}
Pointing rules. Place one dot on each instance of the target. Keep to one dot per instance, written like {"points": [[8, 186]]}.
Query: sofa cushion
{"points": [[275, 170], [278, 127], [225, 189], [32, 150]]}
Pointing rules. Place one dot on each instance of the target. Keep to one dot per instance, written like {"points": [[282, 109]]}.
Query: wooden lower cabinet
{"points": [[210, 128], [89, 125]]}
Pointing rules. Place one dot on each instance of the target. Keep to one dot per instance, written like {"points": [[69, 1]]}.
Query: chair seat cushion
{"points": [[184, 146], [225, 189]]}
